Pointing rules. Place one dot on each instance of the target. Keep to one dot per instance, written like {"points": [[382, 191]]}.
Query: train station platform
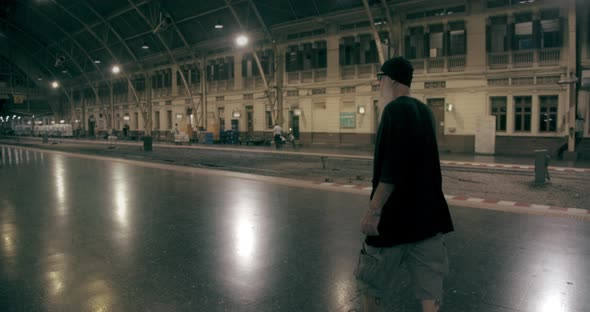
{"points": [[93, 233]]}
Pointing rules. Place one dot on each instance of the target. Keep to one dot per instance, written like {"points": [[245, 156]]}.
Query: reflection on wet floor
{"points": [[95, 235]]}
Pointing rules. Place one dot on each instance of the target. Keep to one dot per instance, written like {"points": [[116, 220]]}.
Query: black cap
{"points": [[398, 69]]}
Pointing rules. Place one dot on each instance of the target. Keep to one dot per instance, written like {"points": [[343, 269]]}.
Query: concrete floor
{"points": [[81, 234]]}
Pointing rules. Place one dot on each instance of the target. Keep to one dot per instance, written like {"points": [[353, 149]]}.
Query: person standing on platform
{"points": [[278, 132], [408, 214]]}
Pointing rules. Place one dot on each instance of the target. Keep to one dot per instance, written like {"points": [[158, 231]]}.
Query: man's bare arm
{"points": [[381, 196]]}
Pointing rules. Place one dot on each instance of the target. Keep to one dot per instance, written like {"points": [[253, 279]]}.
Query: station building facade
{"points": [[475, 58]]}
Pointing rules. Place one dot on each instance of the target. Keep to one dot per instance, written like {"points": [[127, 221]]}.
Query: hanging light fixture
{"points": [[218, 25]]}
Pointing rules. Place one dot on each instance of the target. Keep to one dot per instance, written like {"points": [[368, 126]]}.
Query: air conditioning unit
{"points": [[434, 53], [586, 78]]}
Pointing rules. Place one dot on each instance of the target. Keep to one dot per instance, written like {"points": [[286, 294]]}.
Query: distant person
{"points": [[277, 131], [578, 136], [408, 214], [125, 130]]}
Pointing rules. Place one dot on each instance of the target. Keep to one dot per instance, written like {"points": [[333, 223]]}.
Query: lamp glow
{"points": [[241, 40], [116, 69]]}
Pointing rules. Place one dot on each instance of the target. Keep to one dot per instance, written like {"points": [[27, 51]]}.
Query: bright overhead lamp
{"points": [[145, 46], [96, 61], [218, 25], [116, 69], [242, 40], [55, 84], [65, 71], [40, 78]]}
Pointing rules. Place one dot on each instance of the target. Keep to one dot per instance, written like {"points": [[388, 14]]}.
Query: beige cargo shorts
{"points": [[378, 269]]}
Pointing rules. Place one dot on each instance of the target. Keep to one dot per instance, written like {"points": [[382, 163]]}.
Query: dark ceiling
{"points": [[114, 31]]}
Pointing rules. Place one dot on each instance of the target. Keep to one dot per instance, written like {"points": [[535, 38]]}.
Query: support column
{"points": [[203, 69], [238, 79], [174, 71], [279, 74], [112, 109], [571, 70], [147, 123], [333, 46], [535, 111], [510, 114]]}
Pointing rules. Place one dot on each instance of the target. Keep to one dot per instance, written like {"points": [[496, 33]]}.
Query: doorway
{"points": [[250, 119], [294, 124], [438, 109]]}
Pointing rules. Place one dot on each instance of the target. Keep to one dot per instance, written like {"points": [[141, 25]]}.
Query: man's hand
{"points": [[370, 221]]}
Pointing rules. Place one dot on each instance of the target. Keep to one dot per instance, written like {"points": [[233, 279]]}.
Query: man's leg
{"points": [[428, 264]]}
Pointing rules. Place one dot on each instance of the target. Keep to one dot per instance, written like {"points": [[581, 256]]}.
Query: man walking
{"points": [[277, 131], [407, 214]]}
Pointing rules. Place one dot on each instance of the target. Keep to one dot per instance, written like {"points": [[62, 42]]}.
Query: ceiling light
{"points": [[241, 40], [116, 69], [97, 61], [39, 78], [65, 71], [54, 84], [145, 46], [218, 25]]}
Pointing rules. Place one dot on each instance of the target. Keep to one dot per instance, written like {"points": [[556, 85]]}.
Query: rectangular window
{"points": [[457, 38], [550, 29], [349, 51], [268, 117], [157, 121], [136, 120], [375, 88], [498, 34], [221, 116], [249, 96], [415, 43], [169, 119], [318, 91], [435, 84], [548, 113], [347, 90], [293, 93], [522, 113], [523, 31], [320, 54], [293, 59], [498, 107], [368, 51], [436, 37]]}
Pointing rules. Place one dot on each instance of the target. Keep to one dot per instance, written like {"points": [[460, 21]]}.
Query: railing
{"points": [[365, 71], [436, 65], [528, 58], [253, 82], [523, 58], [359, 71], [549, 57], [457, 63], [220, 85], [418, 65], [498, 60], [320, 75], [308, 76], [348, 71]]}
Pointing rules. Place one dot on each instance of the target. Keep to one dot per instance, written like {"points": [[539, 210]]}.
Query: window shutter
{"points": [[488, 39], [426, 45], [562, 31], [447, 43], [357, 53], [536, 34], [510, 42], [408, 48], [465, 41]]}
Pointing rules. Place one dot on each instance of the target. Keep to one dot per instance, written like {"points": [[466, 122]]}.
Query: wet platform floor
{"points": [[81, 234]]}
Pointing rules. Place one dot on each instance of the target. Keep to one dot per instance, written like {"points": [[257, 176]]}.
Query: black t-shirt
{"points": [[406, 155]]}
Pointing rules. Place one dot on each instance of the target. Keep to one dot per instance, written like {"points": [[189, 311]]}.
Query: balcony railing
{"points": [[359, 71], [527, 58], [253, 82], [523, 58], [498, 60], [307, 76], [220, 85], [457, 63], [436, 65], [418, 65], [548, 57]]}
